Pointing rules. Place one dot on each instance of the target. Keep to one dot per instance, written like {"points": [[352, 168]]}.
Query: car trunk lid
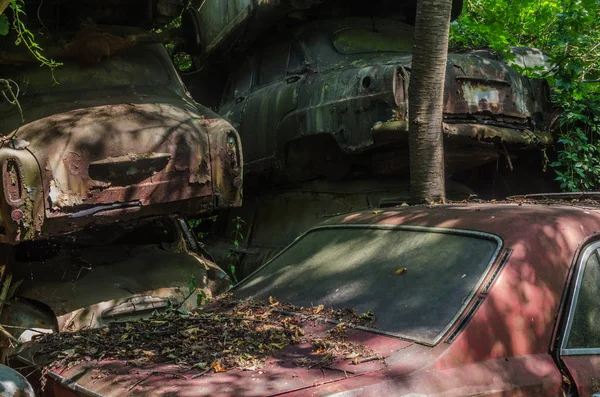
{"points": [[104, 157]]}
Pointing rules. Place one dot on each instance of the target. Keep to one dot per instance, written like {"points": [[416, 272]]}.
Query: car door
{"points": [[274, 97], [580, 346]]}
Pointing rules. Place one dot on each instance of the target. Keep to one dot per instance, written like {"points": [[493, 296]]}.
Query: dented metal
{"points": [[113, 274], [116, 152], [342, 81]]}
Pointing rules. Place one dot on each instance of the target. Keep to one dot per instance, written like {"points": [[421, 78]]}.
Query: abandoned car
{"points": [[486, 299], [114, 140], [330, 95], [105, 274], [217, 29]]}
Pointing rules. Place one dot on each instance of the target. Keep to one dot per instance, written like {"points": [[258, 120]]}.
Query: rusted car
{"points": [[115, 140], [330, 96], [113, 273], [220, 29], [486, 299]]}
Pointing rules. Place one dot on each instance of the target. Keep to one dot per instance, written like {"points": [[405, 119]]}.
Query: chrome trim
{"points": [[497, 271], [444, 230], [463, 323], [582, 263], [73, 385]]}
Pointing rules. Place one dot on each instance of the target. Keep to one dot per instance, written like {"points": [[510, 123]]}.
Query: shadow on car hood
{"points": [[281, 373]]}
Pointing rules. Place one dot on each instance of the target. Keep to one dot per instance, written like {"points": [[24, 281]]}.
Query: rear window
{"points": [[140, 66], [355, 267], [372, 40]]}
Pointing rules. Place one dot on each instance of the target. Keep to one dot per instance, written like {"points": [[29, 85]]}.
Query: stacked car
{"points": [[319, 93]]}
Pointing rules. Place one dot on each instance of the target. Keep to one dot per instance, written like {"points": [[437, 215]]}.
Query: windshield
{"points": [[372, 40], [360, 267], [139, 66]]}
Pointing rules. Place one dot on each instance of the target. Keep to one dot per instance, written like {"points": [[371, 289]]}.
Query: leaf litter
{"points": [[226, 334]]}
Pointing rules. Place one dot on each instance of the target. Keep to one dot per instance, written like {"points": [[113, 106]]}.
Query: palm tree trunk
{"points": [[426, 100]]}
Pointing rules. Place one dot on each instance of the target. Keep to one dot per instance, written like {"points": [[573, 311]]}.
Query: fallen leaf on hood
{"points": [[400, 271], [217, 367]]}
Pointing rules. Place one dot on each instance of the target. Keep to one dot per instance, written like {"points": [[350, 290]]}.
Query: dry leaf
{"points": [[273, 301], [400, 271], [318, 309], [217, 367]]}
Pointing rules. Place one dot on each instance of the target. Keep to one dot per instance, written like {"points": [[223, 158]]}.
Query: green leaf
{"points": [[4, 25]]}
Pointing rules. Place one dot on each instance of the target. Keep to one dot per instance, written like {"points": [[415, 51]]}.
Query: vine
{"points": [[566, 31], [233, 256], [11, 96], [27, 37], [24, 35]]}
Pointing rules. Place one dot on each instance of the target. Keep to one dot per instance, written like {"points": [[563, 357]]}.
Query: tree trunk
{"points": [[426, 100]]}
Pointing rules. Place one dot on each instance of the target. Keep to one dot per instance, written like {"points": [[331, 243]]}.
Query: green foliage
{"points": [[201, 298], [182, 60], [567, 31], [4, 25], [233, 255], [26, 37]]}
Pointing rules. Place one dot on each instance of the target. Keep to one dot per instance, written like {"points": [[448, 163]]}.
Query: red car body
{"points": [[506, 341]]}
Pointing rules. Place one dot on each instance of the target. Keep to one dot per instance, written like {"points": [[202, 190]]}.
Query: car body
{"points": [[320, 97], [113, 273], [116, 140], [223, 29], [470, 299]]}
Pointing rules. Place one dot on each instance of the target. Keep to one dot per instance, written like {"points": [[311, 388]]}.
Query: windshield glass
{"points": [[372, 40], [357, 267], [138, 66]]}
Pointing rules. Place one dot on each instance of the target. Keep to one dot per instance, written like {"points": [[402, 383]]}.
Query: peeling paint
{"points": [[482, 97]]}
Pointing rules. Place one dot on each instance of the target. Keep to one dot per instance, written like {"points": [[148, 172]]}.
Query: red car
{"points": [[470, 300]]}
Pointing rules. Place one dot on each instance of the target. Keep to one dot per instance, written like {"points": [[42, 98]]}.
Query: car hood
{"points": [[282, 372]]}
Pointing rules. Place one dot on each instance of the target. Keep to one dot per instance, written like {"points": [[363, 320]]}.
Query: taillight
{"points": [[234, 157], [12, 179]]}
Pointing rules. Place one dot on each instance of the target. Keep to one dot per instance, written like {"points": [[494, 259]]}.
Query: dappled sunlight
{"points": [[386, 271]]}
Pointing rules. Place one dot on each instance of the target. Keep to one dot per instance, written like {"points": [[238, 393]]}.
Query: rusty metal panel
{"points": [[482, 89], [118, 139], [359, 101]]}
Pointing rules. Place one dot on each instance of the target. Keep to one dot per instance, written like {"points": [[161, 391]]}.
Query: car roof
{"points": [[503, 219], [540, 244]]}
